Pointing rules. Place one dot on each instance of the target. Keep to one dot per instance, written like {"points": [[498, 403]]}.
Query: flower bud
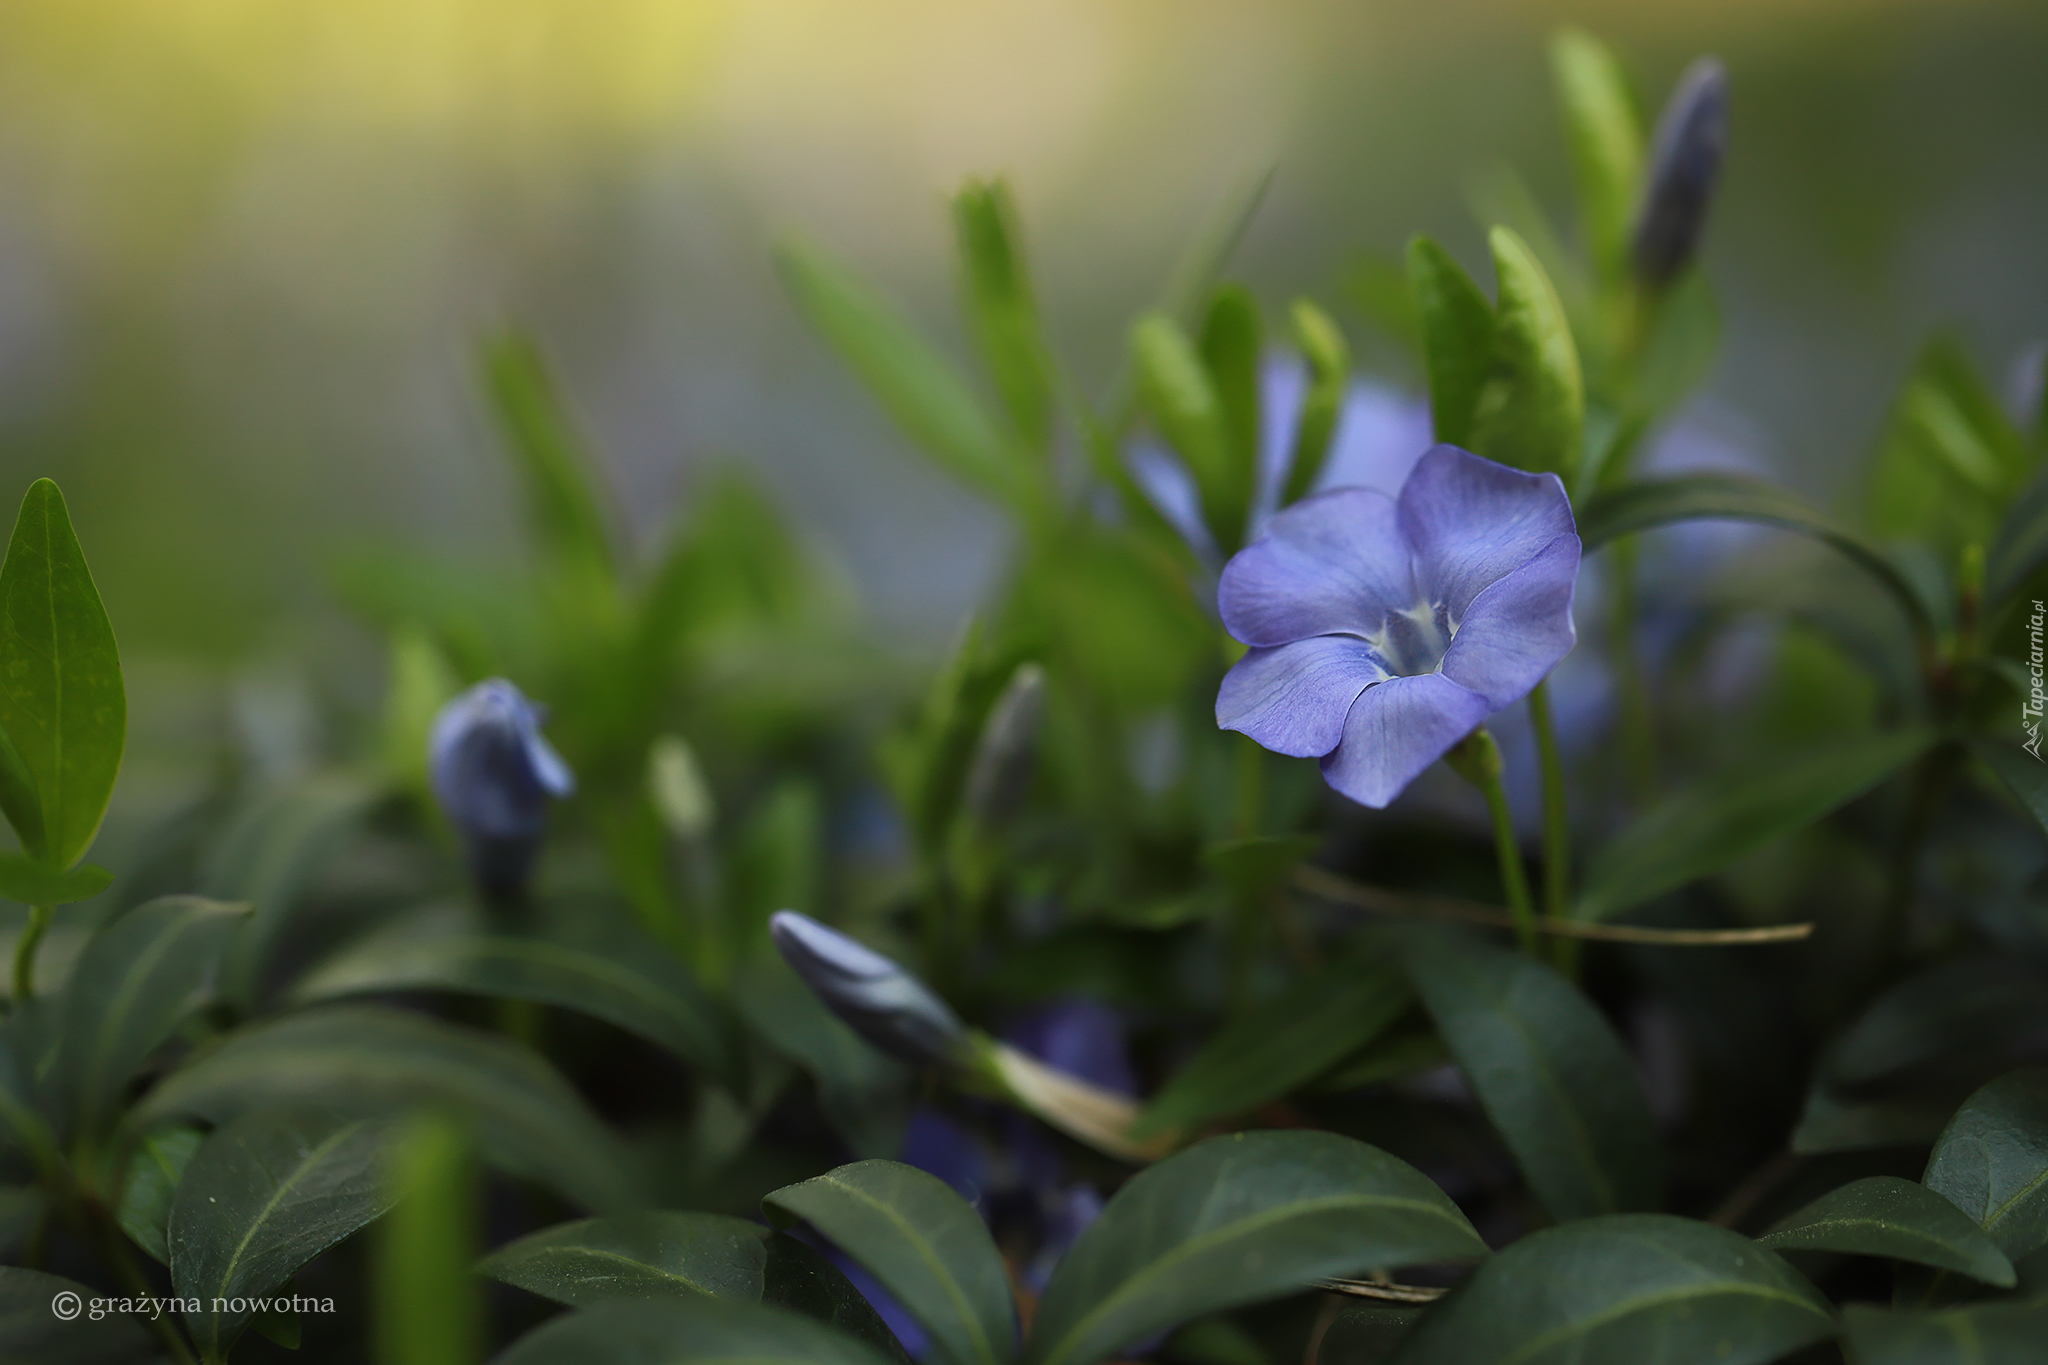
{"points": [[494, 775], [1685, 161], [874, 996]]}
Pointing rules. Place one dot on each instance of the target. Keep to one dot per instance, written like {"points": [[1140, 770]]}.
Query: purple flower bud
{"points": [[1685, 161], [874, 996], [494, 775]]}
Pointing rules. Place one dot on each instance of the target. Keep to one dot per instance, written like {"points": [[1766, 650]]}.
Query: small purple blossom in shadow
{"points": [[494, 774], [1384, 630]]}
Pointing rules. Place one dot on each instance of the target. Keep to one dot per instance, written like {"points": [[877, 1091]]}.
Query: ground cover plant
{"points": [[676, 975]]}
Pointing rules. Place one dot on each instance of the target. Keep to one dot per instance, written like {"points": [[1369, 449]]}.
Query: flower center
{"points": [[1412, 642]]}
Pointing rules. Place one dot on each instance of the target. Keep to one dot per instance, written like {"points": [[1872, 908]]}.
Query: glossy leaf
{"points": [[1734, 812], [1992, 1160], [1883, 1215], [1628, 1289], [1234, 1220], [261, 1197], [924, 394], [137, 980], [1457, 337], [1531, 412], [1329, 374], [371, 1059], [1982, 1334], [152, 1187], [1548, 1070], [62, 702], [31, 1334], [661, 1255], [1278, 1045], [925, 1244], [639, 1333], [1605, 136], [563, 507], [1001, 310]]}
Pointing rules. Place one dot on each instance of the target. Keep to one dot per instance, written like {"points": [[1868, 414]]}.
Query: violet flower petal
{"points": [[1397, 729], [1515, 631], [1472, 522], [1331, 563], [1293, 698]]}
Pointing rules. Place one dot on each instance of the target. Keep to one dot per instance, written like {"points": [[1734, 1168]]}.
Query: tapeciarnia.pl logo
{"points": [[2037, 695]]}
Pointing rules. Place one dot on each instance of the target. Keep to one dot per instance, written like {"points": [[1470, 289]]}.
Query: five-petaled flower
{"points": [[1384, 630]]}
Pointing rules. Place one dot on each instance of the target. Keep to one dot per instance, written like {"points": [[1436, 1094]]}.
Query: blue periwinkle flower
{"points": [[1384, 630], [1685, 161], [876, 997], [495, 774]]}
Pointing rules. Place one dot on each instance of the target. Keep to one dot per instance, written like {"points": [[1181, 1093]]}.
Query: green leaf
{"points": [[1883, 1215], [1951, 460], [1549, 1072], [34, 883], [31, 1334], [1278, 1045], [429, 1306], [1185, 405], [152, 1186], [1605, 135], [22, 806], [61, 698], [1992, 1160], [1729, 814], [2021, 544], [633, 983], [1233, 349], [1329, 372], [1644, 505], [2025, 776], [660, 1255], [629, 1333], [1457, 337], [1983, 1334], [1627, 1289], [1234, 1220], [1977, 1005], [925, 1244], [263, 1196], [377, 1060], [562, 504], [1001, 311], [921, 391], [137, 980], [861, 1091], [1532, 411]]}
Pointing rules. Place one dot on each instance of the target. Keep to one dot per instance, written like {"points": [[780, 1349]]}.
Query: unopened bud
{"points": [[1685, 161], [678, 789], [494, 774], [876, 997]]}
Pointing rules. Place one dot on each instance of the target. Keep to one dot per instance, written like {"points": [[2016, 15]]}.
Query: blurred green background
{"points": [[246, 248]]}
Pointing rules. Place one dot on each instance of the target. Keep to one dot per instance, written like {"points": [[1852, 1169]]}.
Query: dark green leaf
{"points": [[1628, 1289], [2021, 544], [1605, 135], [925, 394], [1548, 1070], [377, 1060], [685, 1330], [1233, 349], [33, 883], [31, 1334], [1001, 310], [861, 1090], [1883, 1215], [1984, 1334], [61, 698], [1645, 505], [1278, 1045], [1729, 814], [562, 503], [1992, 1161], [1457, 337], [2023, 774], [800, 1278], [1974, 1005], [263, 1196], [1833, 1122], [637, 985], [429, 1306], [925, 1244], [1234, 1220], [1329, 372], [152, 1187], [136, 981], [1532, 411]]}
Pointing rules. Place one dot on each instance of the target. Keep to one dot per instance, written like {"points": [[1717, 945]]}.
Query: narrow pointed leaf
{"points": [[1628, 1289], [1329, 371], [1183, 402], [563, 508], [1235, 1220], [1992, 1161], [1001, 310], [263, 1196], [62, 702], [1982, 1334], [1734, 812], [1457, 337], [1532, 411], [925, 1244], [1883, 1215], [1549, 1072], [152, 1187], [1233, 348], [676, 1332], [1605, 135]]}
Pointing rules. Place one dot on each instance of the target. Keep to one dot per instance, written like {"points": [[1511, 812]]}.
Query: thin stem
{"points": [[1476, 758], [25, 954], [1557, 832]]}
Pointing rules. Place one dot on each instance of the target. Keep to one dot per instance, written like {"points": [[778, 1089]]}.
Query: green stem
{"points": [[1476, 758], [25, 953], [1557, 828]]}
